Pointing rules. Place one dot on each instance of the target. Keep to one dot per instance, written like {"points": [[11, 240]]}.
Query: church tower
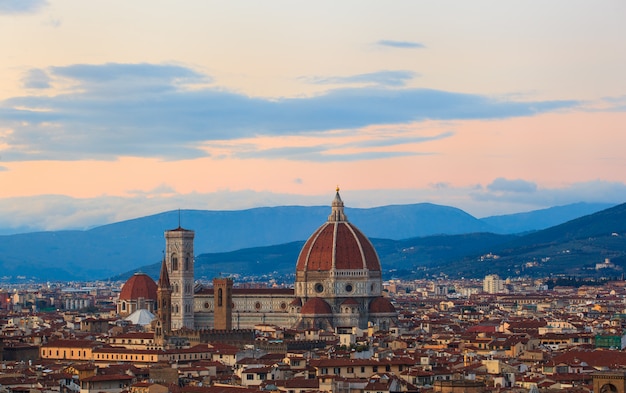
{"points": [[164, 307], [179, 259], [223, 303]]}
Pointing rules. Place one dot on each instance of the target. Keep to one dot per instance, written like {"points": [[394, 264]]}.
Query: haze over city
{"points": [[115, 110]]}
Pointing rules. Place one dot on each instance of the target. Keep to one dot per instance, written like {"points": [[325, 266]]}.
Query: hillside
{"points": [[111, 249], [543, 218], [572, 248], [399, 258]]}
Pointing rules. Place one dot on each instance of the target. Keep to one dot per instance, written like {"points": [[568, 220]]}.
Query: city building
{"points": [[338, 283], [493, 284]]}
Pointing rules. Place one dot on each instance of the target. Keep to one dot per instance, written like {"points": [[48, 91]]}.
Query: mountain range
{"points": [[246, 240]]}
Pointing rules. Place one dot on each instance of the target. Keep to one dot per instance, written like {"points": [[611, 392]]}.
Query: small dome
{"points": [[381, 305], [337, 245], [316, 306], [140, 285], [141, 317], [349, 302]]}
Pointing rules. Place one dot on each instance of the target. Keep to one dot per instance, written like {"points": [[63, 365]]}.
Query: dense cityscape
{"points": [[338, 328], [495, 335]]}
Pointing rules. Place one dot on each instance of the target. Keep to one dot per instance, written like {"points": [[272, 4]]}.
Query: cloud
{"points": [[161, 190], [504, 185], [320, 153], [169, 111], [338, 147], [592, 191], [36, 79], [400, 44], [21, 6], [382, 78], [440, 185], [402, 140], [116, 72]]}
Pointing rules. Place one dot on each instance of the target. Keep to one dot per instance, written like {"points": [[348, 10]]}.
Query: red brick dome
{"points": [[381, 305], [140, 285], [337, 245], [316, 306]]}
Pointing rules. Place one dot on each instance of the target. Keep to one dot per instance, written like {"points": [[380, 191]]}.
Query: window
{"points": [[187, 263], [174, 262], [250, 377]]}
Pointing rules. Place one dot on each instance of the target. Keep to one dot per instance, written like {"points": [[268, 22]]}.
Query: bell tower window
{"points": [[174, 262]]}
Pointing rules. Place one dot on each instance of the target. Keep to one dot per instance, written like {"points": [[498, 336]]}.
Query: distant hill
{"points": [[398, 257], [111, 249], [571, 248], [544, 218]]}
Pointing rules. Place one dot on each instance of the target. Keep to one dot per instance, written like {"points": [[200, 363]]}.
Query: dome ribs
{"points": [[321, 255], [369, 252], [348, 255]]}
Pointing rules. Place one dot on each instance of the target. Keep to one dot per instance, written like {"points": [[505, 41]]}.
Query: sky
{"points": [[112, 110]]}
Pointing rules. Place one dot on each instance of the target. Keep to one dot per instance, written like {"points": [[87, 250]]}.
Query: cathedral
{"points": [[338, 284]]}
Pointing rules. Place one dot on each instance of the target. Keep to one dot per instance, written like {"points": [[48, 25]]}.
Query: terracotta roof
{"points": [[381, 305], [140, 285], [71, 344], [316, 306], [341, 243], [595, 358], [114, 377], [337, 245]]}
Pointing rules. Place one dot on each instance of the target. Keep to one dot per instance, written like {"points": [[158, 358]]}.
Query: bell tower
{"points": [[179, 259], [223, 303], [164, 307]]}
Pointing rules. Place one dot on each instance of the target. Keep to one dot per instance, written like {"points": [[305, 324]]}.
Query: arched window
{"points": [[219, 297], [187, 263], [174, 262]]}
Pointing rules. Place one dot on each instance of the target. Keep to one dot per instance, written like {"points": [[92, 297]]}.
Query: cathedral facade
{"points": [[338, 283]]}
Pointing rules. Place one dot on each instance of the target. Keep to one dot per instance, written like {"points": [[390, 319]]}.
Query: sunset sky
{"points": [[111, 110]]}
